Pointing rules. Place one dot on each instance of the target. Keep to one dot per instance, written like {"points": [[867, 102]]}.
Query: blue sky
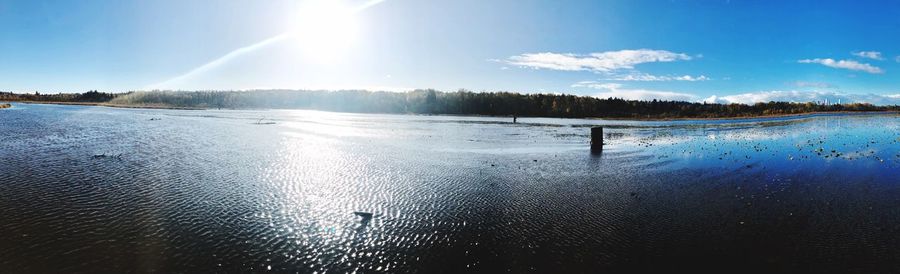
{"points": [[723, 51]]}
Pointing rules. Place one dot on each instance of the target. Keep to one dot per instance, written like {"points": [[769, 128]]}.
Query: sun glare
{"points": [[325, 29]]}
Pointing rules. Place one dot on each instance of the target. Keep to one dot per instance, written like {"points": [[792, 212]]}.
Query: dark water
{"points": [[92, 189]]}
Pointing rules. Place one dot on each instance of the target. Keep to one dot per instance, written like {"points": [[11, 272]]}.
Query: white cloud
{"points": [[805, 96], [596, 85], [691, 78], [644, 77], [804, 84], [843, 64], [897, 59], [646, 95], [597, 62], [615, 90], [868, 54]]}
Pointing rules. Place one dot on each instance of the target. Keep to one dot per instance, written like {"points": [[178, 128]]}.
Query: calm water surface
{"points": [[257, 191]]}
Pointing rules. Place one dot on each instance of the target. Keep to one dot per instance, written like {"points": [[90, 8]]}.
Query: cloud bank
{"points": [[843, 64], [868, 54], [804, 84], [644, 77], [597, 62], [805, 96], [615, 90]]}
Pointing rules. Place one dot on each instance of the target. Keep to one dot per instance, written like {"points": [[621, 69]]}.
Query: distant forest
{"points": [[462, 102]]}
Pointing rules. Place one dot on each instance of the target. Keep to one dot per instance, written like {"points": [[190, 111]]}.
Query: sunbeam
{"points": [[321, 39]]}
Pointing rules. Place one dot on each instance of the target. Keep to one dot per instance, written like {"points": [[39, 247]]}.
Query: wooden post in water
{"points": [[596, 138]]}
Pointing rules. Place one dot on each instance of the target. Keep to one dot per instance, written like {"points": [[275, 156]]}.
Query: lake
{"points": [[96, 189]]}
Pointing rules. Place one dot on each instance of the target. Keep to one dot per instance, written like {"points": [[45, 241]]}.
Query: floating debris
{"points": [[366, 217], [260, 122], [102, 156]]}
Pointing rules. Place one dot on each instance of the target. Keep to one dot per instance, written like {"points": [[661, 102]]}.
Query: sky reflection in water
{"points": [[449, 193]]}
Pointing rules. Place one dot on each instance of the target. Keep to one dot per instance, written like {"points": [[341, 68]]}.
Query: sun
{"points": [[325, 29]]}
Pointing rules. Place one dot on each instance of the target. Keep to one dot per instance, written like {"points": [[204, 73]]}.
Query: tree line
{"points": [[92, 96], [428, 101]]}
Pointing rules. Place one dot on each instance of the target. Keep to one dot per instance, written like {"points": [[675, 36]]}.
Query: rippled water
{"points": [[93, 189]]}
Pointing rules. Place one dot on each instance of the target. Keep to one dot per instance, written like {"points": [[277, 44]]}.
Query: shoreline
{"points": [[754, 117], [475, 115], [107, 105]]}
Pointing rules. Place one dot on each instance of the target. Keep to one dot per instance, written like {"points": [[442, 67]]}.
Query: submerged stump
{"points": [[596, 138]]}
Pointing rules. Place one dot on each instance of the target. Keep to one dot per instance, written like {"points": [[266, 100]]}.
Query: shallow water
{"points": [[94, 189]]}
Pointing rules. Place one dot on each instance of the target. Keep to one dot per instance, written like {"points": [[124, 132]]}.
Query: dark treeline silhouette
{"points": [[92, 96], [462, 102]]}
